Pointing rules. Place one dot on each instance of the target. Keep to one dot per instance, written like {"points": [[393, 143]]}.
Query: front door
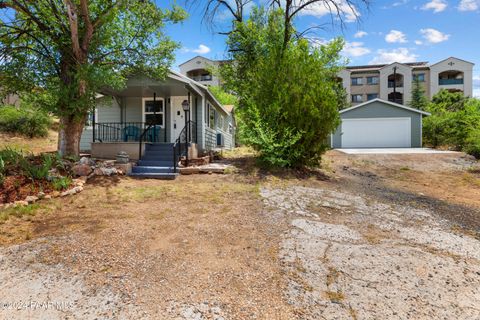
{"points": [[178, 117]]}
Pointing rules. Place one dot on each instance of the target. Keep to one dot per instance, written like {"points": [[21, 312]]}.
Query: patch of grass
{"points": [[474, 170], [471, 179], [405, 169], [240, 152], [19, 211]]}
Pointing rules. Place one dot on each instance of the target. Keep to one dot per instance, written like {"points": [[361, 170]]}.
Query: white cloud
{"points": [[395, 55], [355, 49], [435, 5], [320, 9], [360, 34], [395, 36], [434, 36], [418, 42], [202, 49], [469, 5]]}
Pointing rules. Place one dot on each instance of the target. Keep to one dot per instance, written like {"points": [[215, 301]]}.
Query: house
{"points": [[379, 124], [394, 82], [199, 69], [154, 121]]}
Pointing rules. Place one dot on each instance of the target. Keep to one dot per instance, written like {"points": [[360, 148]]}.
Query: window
{"points": [[230, 128], [420, 77], [372, 96], [372, 80], [220, 121], [357, 81], [357, 98], [153, 111], [212, 115]]}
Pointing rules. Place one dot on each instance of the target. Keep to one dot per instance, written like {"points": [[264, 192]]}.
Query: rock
{"points": [[81, 170], [55, 194], [108, 171], [47, 197], [41, 195], [87, 161], [20, 203], [98, 172], [70, 192], [79, 182], [109, 163], [31, 199], [78, 189]]}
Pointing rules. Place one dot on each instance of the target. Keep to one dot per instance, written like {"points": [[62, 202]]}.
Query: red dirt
{"points": [[19, 187]]}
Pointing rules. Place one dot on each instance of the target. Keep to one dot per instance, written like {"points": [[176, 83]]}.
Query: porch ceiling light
{"points": [[186, 105]]}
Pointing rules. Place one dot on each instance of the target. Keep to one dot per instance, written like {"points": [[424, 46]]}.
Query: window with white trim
{"points": [[357, 98], [153, 112]]}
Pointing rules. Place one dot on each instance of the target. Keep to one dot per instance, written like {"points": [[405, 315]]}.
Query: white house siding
{"points": [[211, 134]]}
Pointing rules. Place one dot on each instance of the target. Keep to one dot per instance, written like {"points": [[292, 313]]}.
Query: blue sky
{"points": [[392, 30]]}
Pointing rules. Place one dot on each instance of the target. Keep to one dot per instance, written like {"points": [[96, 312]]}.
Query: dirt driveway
{"points": [[386, 237]]}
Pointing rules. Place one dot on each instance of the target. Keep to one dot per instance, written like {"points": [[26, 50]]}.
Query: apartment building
{"points": [[199, 69], [394, 82]]}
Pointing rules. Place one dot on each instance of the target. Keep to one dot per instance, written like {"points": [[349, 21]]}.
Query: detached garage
{"points": [[379, 124]]}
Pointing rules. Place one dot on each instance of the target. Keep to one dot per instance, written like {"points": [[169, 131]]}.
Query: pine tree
{"points": [[419, 101]]}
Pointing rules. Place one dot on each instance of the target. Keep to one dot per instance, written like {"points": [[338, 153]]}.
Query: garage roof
{"points": [[393, 104]]}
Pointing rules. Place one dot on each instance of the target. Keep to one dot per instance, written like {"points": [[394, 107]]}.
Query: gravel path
{"points": [[350, 257]]}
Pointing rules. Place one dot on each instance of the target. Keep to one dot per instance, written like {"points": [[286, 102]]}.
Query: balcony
{"points": [[449, 82], [391, 84]]}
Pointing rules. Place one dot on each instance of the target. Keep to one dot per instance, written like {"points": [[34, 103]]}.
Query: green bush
{"points": [[472, 145], [25, 121], [455, 122]]}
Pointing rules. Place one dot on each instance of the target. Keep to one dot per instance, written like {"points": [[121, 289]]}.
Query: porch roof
{"points": [[175, 84]]}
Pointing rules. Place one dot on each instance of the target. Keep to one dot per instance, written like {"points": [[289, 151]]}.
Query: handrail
{"points": [[185, 136], [142, 136]]}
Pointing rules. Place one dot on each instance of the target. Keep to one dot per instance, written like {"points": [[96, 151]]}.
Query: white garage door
{"points": [[376, 133]]}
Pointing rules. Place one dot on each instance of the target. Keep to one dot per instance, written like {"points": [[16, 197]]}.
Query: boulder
{"points": [[108, 171], [41, 195], [81, 170], [87, 161]]}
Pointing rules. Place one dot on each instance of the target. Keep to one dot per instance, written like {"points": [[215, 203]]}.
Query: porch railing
{"points": [[180, 147], [127, 132]]}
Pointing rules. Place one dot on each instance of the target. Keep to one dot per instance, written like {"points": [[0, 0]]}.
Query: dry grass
{"points": [[35, 145]]}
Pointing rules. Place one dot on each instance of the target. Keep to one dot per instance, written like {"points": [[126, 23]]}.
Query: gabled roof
{"points": [[196, 86], [181, 64], [455, 59], [393, 104]]}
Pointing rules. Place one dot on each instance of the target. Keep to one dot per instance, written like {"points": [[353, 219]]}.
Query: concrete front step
{"points": [[148, 169], [155, 163], [160, 176], [159, 147]]}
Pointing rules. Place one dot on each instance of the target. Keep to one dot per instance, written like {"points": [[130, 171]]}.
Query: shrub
{"points": [[26, 121], [40, 171], [472, 145]]}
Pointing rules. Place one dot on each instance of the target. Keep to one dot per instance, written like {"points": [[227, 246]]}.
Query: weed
{"points": [[404, 169], [19, 211], [61, 183]]}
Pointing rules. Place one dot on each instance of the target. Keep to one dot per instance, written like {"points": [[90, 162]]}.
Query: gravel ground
{"points": [[351, 257]]}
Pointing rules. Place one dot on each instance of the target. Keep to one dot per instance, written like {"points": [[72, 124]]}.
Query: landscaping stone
{"points": [[41, 195], [87, 161], [20, 203], [189, 170], [31, 199], [47, 197], [81, 170], [108, 171]]}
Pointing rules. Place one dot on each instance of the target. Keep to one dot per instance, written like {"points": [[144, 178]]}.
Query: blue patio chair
{"points": [[131, 132], [153, 134]]}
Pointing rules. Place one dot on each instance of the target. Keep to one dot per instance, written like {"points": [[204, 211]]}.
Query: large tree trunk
{"points": [[71, 128]]}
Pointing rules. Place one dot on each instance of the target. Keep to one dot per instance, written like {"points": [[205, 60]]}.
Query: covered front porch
{"points": [[145, 112]]}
